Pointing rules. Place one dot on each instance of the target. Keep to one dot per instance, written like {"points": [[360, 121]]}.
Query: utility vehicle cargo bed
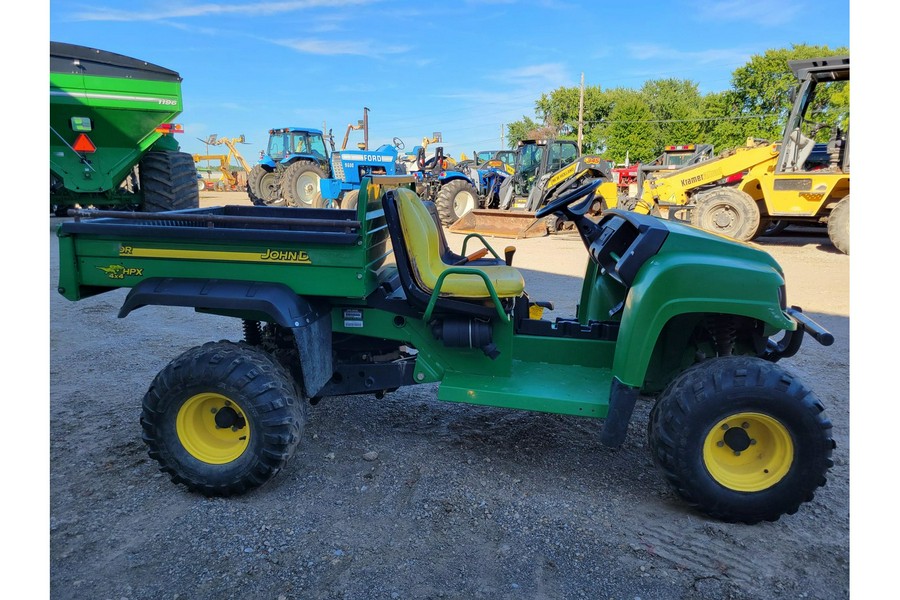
{"points": [[312, 251]]}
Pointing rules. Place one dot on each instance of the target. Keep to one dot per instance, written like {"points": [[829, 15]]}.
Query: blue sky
{"points": [[463, 68]]}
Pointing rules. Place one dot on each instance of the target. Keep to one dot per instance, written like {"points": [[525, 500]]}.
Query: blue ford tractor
{"points": [[298, 170]]}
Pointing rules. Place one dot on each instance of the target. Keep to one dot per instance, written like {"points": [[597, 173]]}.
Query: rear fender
{"points": [[309, 321]]}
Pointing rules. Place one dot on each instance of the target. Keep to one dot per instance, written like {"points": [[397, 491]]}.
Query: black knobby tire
{"points": [[741, 439], [455, 199], [727, 211], [169, 181], [244, 384], [839, 225], [300, 185], [769, 228], [262, 186], [350, 200]]}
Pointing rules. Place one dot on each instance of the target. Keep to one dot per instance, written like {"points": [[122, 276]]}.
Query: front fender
{"points": [[678, 284]]}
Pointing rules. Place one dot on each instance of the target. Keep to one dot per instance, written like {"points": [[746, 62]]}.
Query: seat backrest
{"points": [[421, 236]]}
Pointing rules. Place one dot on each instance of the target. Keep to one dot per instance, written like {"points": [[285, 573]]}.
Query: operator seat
{"points": [[448, 255], [421, 238]]}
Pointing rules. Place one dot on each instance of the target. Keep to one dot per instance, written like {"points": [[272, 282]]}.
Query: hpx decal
{"points": [[120, 272]]}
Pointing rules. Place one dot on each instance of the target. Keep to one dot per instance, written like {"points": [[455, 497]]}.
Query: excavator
{"points": [[544, 169]]}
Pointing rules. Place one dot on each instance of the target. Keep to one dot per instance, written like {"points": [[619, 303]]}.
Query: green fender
{"points": [[692, 283]]}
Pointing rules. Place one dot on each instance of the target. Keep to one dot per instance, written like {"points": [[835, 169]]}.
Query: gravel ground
{"points": [[408, 497]]}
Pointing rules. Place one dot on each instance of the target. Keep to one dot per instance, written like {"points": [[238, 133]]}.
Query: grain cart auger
{"points": [[796, 180], [363, 301], [111, 142], [544, 170]]}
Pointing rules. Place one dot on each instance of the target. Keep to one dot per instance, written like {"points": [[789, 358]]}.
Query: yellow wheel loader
{"points": [[796, 180]]}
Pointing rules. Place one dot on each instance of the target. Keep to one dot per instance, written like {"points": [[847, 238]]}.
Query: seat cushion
{"points": [[423, 244]]}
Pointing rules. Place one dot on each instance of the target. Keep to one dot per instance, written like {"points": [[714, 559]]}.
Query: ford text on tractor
{"points": [[111, 136], [364, 301]]}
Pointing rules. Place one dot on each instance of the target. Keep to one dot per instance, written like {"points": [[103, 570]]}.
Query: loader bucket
{"points": [[500, 223]]}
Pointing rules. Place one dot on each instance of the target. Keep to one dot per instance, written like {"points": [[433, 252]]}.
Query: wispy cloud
{"points": [[712, 56], [770, 13], [325, 47], [543, 75], [171, 10]]}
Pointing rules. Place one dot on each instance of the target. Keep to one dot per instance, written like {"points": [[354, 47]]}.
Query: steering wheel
{"points": [[399, 143], [562, 203]]}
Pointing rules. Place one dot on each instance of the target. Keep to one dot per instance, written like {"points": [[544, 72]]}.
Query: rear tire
{"points": [[301, 185], [741, 439], [222, 418], [727, 211], [169, 181], [839, 225], [456, 199]]}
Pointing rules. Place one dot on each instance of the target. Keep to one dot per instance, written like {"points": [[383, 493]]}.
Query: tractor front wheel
{"points": [[301, 185], [222, 418], [839, 225], [350, 200], [262, 186], [169, 181], [727, 211], [741, 439], [456, 199]]}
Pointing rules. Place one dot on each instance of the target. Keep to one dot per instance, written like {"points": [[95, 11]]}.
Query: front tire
{"points": [[301, 185], [741, 439], [350, 200], [727, 211], [262, 186], [222, 418], [456, 199], [169, 181], [839, 225]]}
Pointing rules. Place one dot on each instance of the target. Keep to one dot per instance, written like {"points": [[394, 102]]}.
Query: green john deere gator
{"points": [[364, 301], [111, 136]]}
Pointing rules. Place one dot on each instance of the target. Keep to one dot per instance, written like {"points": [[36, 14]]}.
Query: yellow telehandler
{"points": [[795, 180]]}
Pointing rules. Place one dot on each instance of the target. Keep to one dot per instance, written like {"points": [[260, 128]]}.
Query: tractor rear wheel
{"points": [[169, 181], [222, 418], [727, 211], [262, 186], [456, 199], [839, 225], [301, 185], [741, 439]]}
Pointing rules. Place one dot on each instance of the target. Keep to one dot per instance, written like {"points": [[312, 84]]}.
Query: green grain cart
{"points": [[111, 142]]}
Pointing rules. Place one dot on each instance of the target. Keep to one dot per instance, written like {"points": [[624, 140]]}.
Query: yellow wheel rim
{"points": [[212, 428], [748, 452]]}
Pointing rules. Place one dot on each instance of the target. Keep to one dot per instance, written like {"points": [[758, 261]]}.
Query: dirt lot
{"points": [[461, 502]]}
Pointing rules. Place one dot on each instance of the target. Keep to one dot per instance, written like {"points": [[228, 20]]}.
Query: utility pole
{"points": [[502, 127], [580, 112]]}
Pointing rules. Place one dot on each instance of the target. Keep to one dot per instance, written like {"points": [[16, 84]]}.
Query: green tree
{"points": [[560, 107], [630, 132], [720, 127], [761, 87], [676, 106], [520, 130]]}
